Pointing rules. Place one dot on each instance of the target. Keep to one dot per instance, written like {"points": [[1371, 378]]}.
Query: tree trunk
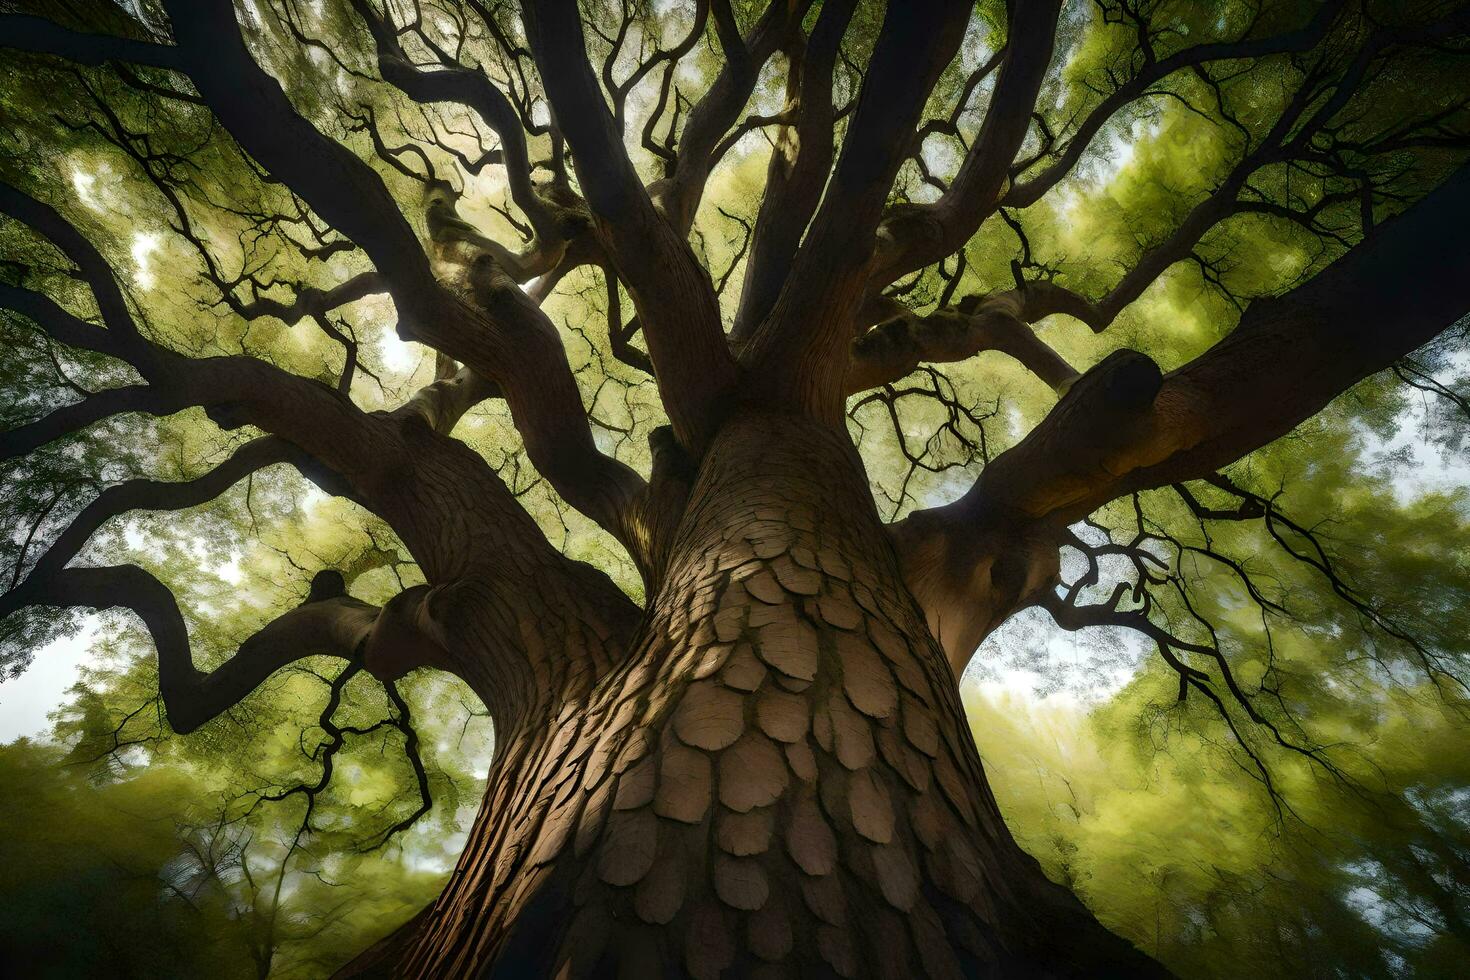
{"points": [[779, 780]]}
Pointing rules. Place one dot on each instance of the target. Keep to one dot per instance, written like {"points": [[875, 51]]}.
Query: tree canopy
{"points": [[1173, 288]]}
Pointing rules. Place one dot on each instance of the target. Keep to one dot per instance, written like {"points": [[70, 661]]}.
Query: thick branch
{"points": [[445, 502], [1124, 427], [798, 170], [60, 324], [471, 88], [1288, 357], [49, 223], [675, 300], [893, 349], [918, 235], [799, 353], [28, 33], [336, 626], [158, 495], [520, 351], [721, 104], [349, 195], [341, 188], [73, 418]]}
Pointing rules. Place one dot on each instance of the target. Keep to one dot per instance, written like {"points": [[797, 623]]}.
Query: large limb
{"points": [[338, 186], [893, 349], [675, 300], [479, 563], [798, 170], [715, 112], [478, 548], [917, 235], [1288, 358], [537, 381], [501, 333], [73, 418], [473, 540], [1125, 427], [353, 199], [798, 355], [336, 626], [27, 32], [122, 333], [471, 88]]}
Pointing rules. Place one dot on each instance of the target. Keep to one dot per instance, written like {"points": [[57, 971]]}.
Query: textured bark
{"points": [[777, 781]]}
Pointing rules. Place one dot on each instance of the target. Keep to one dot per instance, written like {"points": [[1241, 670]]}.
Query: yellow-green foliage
{"points": [[1178, 851]]}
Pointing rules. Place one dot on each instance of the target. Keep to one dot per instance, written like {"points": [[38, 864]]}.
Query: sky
{"points": [[25, 701]]}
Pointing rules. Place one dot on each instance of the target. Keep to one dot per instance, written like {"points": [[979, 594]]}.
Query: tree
{"points": [[754, 757]]}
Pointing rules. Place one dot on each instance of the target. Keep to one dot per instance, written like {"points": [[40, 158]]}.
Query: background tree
{"points": [[753, 753]]}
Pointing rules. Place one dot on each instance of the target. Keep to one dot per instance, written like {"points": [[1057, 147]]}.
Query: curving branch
{"points": [[914, 236], [701, 142], [798, 352], [71, 419], [675, 299], [156, 495], [336, 625], [797, 173], [893, 349], [1027, 192], [1124, 427], [353, 199], [520, 352], [399, 465], [93, 268], [1286, 359], [457, 84], [337, 185], [26, 32]]}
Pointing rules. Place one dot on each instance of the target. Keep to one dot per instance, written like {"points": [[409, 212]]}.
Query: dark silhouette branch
{"points": [[673, 294], [702, 138], [797, 173], [25, 32], [914, 236], [1124, 426], [74, 418], [893, 349], [798, 353], [1027, 192], [334, 626], [337, 185], [1286, 359], [457, 84]]}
